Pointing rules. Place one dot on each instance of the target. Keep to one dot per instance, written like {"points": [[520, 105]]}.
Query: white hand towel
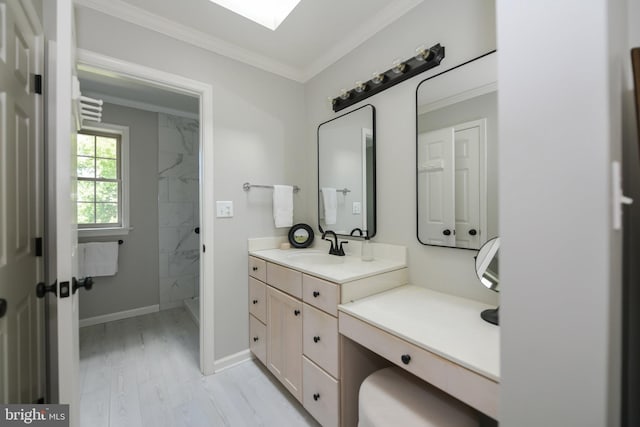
{"points": [[283, 205], [330, 202], [97, 259]]}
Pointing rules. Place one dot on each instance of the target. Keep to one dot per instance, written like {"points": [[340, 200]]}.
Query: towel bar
{"points": [[247, 186]]}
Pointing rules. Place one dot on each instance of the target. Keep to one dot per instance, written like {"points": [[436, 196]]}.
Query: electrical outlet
{"points": [[224, 209]]}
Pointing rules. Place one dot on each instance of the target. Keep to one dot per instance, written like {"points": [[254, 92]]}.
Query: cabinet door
{"points": [[284, 340]]}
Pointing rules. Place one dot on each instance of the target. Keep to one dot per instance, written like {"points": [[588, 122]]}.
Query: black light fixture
{"points": [[424, 60]]}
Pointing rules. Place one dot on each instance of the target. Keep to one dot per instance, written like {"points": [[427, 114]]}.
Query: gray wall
{"points": [[467, 29], [258, 123], [560, 128], [136, 284]]}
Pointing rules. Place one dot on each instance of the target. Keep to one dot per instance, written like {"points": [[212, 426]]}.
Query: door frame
{"points": [[176, 83]]}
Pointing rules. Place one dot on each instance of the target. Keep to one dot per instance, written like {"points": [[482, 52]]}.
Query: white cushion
{"points": [[393, 397]]}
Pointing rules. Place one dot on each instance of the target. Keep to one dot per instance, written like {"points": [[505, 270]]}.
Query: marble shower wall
{"points": [[178, 209]]}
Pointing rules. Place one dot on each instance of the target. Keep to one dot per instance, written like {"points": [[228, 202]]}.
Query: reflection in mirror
{"points": [[457, 156], [346, 174], [488, 274]]}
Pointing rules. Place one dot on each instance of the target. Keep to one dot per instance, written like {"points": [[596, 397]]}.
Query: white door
{"points": [[468, 142], [21, 313], [62, 211], [436, 181]]}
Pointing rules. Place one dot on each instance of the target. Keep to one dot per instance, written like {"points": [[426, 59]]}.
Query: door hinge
{"points": [[37, 84], [38, 246]]}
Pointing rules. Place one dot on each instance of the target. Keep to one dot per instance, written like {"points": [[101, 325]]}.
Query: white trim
{"points": [[90, 321], [142, 105], [180, 84], [169, 305], [123, 132], [137, 16], [32, 16], [232, 360], [359, 35]]}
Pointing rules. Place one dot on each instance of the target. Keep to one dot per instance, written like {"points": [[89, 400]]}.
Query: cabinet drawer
{"points": [[320, 394], [320, 338], [321, 294], [258, 339], [473, 389], [258, 268], [258, 299], [285, 279]]}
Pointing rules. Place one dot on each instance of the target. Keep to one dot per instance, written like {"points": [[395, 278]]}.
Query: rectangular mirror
{"points": [[346, 173], [457, 152]]}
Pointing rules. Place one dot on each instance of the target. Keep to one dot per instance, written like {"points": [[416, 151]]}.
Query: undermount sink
{"points": [[316, 258]]}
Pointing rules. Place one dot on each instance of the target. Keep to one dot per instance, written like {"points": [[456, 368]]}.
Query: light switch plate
{"points": [[224, 209], [357, 208]]}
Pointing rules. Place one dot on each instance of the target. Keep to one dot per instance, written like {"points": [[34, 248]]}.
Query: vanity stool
{"points": [[392, 397]]}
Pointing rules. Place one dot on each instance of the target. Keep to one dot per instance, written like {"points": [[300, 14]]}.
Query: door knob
{"points": [[86, 283], [447, 232], [197, 230], [473, 232], [3, 307], [42, 289]]}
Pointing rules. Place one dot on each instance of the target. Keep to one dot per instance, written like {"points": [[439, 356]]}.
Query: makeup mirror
{"points": [[456, 152], [346, 174], [487, 270]]}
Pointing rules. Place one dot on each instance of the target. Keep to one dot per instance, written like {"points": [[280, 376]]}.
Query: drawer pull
{"points": [[406, 359], [296, 312], [316, 339], [255, 268], [255, 339], [316, 396], [316, 294], [255, 301]]}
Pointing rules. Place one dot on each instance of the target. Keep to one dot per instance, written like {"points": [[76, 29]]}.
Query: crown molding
{"points": [[135, 15], [359, 35]]}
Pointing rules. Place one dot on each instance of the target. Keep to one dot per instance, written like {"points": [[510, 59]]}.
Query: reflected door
{"points": [[436, 177]]}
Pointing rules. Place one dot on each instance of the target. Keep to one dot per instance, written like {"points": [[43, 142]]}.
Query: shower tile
{"points": [[175, 214], [184, 263], [188, 240], [182, 189], [176, 288], [168, 239]]}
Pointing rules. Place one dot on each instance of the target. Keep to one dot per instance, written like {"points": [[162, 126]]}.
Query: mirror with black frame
{"points": [[456, 153], [347, 175]]}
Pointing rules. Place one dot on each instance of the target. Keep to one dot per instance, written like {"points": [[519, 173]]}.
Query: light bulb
{"points": [[360, 87], [423, 53], [377, 78], [398, 66], [345, 94]]}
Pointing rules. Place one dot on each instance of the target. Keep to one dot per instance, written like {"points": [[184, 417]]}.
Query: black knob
{"points": [[447, 232], [42, 289], [296, 312], [3, 307], [255, 339], [473, 232], [316, 294], [255, 268], [316, 339], [86, 283], [255, 301], [405, 359], [316, 396]]}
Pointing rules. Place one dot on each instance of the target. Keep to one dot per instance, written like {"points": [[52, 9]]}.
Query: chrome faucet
{"points": [[336, 249]]}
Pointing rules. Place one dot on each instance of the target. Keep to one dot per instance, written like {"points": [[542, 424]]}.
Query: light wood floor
{"points": [[144, 371]]}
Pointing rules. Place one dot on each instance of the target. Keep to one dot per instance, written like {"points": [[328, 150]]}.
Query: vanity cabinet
{"points": [[298, 313]]}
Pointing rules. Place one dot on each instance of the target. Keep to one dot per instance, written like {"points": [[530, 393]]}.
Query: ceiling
{"points": [[315, 35]]}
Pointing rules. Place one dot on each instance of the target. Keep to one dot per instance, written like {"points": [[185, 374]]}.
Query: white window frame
{"points": [[125, 227]]}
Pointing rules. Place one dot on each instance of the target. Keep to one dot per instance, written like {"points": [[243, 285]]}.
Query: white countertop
{"points": [[329, 267], [443, 324]]}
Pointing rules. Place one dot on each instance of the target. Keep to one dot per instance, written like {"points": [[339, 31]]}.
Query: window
{"points": [[102, 171]]}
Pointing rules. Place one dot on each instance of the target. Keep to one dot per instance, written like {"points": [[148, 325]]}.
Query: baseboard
{"points": [[171, 304], [231, 361], [90, 321]]}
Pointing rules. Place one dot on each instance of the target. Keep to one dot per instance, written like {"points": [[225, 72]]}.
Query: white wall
{"points": [[559, 109], [258, 125], [466, 29]]}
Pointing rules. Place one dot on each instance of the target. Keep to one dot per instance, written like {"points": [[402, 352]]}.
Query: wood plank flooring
{"points": [[144, 371]]}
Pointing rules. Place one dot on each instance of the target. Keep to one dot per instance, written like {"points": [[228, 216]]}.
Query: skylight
{"points": [[269, 13]]}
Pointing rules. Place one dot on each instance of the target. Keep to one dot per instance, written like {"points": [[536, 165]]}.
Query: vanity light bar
{"points": [[401, 71]]}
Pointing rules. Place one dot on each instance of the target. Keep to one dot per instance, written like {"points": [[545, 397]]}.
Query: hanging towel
{"points": [[283, 205], [97, 259], [330, 202]]}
